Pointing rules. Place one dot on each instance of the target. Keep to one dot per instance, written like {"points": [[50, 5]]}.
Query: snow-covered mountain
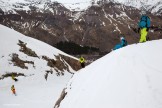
{"points": [[126, 78], [79, 5], [97, 25], [7, 5], [153, 6], [42, 71]]}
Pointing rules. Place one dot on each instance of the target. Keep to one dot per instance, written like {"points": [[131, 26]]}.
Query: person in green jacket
{"points": [[13, 77], [82, 62]]}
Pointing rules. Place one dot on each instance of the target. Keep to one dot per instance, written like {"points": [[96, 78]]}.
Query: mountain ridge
{"points": [[98, 26], [150, 5]]}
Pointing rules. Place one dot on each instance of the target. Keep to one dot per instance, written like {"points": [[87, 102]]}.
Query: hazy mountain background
{"points": [[89, 27]]}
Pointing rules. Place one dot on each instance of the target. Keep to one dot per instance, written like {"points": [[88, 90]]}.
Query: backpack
{"points": [[144, 22]]}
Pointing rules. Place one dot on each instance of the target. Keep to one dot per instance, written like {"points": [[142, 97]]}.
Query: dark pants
{"points": [[82, 65]]}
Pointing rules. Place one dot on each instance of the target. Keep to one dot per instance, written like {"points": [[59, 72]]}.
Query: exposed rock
{"points": [[26, 50], [9, 74], [62, 96], [75, 64], [58, 65], [20, 63]]}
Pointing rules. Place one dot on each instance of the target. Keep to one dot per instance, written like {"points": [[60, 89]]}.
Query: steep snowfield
{"points": [[130, 77], [9, 40], [32, 90]]}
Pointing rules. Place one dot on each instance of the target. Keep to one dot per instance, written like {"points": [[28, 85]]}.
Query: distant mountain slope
{"points": [[42, 71], [78, 5], [154, 6], [98, 25], [24, 54], [126, 78]]}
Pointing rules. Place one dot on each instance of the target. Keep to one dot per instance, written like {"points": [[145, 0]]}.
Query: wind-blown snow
{"points": [[126, 78], [32, 90]]}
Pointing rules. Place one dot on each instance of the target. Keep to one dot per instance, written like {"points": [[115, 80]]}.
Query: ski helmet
{"points": [[121, 38]]}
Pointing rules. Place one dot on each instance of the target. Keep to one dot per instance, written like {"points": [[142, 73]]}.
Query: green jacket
{"points": [[82, 60], [13, 77]]}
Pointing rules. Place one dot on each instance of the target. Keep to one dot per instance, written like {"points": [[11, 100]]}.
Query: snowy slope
{"points": [[126, 78], [9, 40], [33, 90]]}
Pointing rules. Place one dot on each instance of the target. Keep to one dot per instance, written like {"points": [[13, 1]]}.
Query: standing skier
{"points": [[143, 26], [82, 61]]}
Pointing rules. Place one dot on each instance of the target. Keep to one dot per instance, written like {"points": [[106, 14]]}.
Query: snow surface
{"points": [[130, 77], [32, 90]]}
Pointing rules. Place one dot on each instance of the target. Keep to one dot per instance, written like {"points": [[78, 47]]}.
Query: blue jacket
{"points": [[144, 22]]}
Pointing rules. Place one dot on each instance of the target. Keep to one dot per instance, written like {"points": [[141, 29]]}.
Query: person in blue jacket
{"points": [[143, 26], [122, 43]]}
